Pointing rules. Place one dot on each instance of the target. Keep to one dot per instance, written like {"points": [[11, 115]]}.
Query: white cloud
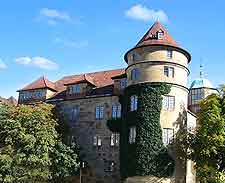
{"points": [[55, 14], [23, 60], [70, 43], [39, 62], [2, 65], [140, 12]]}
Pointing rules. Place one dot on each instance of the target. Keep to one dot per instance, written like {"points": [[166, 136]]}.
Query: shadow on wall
{"points": [[179, 145]]}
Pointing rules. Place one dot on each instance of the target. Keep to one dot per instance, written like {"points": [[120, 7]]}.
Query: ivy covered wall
{"points": [[148, 155]]}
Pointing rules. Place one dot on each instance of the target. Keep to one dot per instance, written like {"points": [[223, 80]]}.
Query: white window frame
{"points": [[115, 139], [97, 141], [116, 111], [160, 34], [167, 136], [133, 103], [99, 112], [132, 135], [169, 71], [169, 102]]}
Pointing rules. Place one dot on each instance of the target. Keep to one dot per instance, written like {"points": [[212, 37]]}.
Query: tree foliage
{"points": [[31, 150], [207, 145]]}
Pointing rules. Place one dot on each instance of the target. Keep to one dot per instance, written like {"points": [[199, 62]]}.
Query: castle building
{"points": [[88, 100]]}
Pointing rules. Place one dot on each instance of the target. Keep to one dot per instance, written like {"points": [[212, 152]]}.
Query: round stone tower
{"points": [[157, 58]]}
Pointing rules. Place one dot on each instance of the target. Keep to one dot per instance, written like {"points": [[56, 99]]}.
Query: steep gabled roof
{"points": [[40, 83], [84, 78], [151, 39]]}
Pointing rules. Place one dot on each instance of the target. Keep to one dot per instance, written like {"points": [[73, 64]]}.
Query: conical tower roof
{"points": [[157, 35], [151, 37]]}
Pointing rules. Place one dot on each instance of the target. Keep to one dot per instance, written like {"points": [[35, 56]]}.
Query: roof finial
{"points": [[201, 69]]}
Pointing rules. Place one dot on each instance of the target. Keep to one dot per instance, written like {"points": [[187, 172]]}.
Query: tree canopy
{"points": [[31, 149], [208, 143]]}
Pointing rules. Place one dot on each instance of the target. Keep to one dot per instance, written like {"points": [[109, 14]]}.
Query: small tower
{"points": [[157, 58], [200, 88]]}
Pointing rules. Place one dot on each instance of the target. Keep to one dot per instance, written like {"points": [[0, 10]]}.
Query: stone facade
{"points": [[85, 128]]}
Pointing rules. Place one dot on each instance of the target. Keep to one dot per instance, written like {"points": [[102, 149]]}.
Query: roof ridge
{"points": [[80, 74]]}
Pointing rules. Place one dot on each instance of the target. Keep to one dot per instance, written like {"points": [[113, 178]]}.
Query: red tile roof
{"points": [[99, 79], [81, 79], [151, 39], [102, 79], [40, 83]]}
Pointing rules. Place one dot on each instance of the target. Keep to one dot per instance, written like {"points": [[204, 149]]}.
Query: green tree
{"points": [[31, 150], [208, 143]]}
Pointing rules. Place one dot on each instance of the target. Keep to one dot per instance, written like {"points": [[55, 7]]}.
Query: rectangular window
{"points": [[133, 103], [76, 89], [116, 111], [109, 166], [123, 83], [169, 71], [196, 95], [114, 139], [135, 74], [72, 114], [168, 103], [132, 135], [168, 135], [99, 112], [169, 54], [97, 141]]}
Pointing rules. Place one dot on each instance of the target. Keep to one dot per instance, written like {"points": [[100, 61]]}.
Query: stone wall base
{"points": [[149, 179]]}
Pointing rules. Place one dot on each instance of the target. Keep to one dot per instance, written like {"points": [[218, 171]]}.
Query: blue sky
{"points": [[56, 38]]}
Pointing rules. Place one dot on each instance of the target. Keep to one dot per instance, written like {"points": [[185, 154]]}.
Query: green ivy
{"points": [[148, 155]]}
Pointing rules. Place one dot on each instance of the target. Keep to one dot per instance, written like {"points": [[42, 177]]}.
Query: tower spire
{"points": [[201, 69]]}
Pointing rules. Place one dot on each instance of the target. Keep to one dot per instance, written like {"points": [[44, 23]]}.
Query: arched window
{"points": [[135, 74]]}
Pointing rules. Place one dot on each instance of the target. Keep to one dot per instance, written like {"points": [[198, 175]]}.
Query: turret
{"points": [[200, 88], [157, 58]]}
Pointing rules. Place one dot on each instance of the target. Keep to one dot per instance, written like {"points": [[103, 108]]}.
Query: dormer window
{"points": [[74, 89], [160, 34], [28, 95]]}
